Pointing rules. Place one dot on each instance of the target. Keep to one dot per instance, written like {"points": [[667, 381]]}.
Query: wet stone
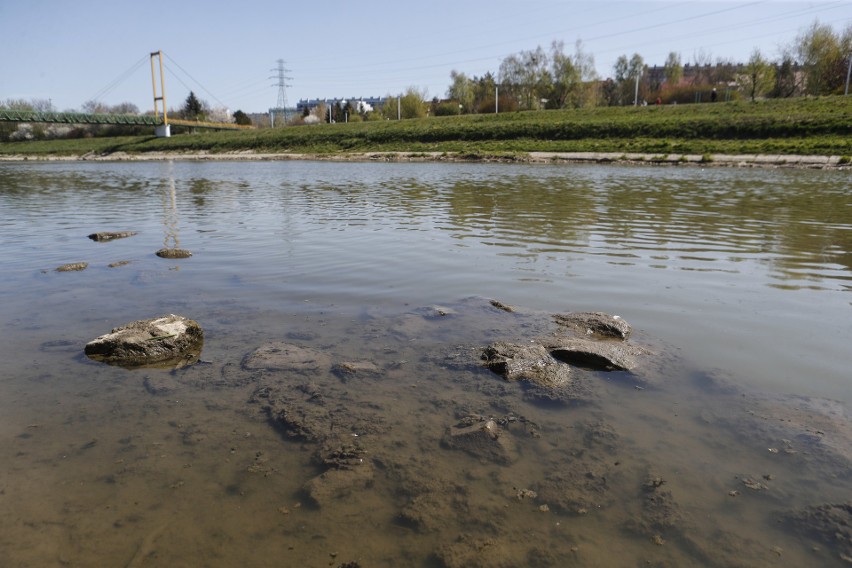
{"points": [[660, 513], [333, 485], [581, 487], [597, 355], [501, 306], [173, 253], [526, 362], [829, 524], [545, 379], [73, 267], [167, 341], [477, 552], [349, 370], [482, 439], [282, 356], [435, 312], [595, 323], [299, 415], [111, 235]]}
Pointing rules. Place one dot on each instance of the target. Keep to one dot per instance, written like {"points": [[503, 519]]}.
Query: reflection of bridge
{"points": [[160, 122]]}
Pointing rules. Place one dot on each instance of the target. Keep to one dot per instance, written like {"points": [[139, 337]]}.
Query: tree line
{"points": [[814, 63]]}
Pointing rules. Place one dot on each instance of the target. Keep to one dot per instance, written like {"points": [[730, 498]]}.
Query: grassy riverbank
{"points": [[802, 126]]}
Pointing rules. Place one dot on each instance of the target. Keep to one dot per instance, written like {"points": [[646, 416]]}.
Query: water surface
{"points": [[738, 280]]}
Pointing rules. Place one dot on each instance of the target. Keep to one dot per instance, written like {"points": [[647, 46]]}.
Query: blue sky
{"points": [[73, 51]]}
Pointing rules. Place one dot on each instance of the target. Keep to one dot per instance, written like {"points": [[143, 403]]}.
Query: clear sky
{"points": [[74, 51]]}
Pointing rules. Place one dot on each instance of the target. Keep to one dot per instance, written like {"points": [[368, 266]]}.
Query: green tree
{"points": [[824, 56], [413, 103], [484, 91], [242, 118], [759, 76], [673, 69], [193, 109], [462, 90], [526, 77], [787, 77], [391, 107], [626, 73]]}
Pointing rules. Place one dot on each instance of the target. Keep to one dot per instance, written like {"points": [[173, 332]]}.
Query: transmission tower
{"points": [[280, 110]]}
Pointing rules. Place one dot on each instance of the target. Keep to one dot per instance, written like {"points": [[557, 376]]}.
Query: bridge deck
{"points": [[128, 119]]}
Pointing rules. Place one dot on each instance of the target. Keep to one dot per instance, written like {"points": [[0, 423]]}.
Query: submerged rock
{"points": [[109, 236], [73, 267], [283, 356], [830, 524], [579, 488], [595, 323], [598, 355], [482, 439], [348, 370], [526, 362], [331, 486], [433, 312], [545, 378], [173, 253], [470, 551], [163, 341], [501, 306]]}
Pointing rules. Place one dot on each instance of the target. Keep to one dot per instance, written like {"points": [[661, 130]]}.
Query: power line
{"points": [[118, 80], [223, 105]]}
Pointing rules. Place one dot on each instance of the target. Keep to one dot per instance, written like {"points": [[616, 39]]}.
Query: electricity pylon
{"points": [[280, 109]]}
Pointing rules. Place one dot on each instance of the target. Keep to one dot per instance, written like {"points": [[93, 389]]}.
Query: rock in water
{"points": [[482, 439], [173, 253], [282, 356], [162, 341], [110, 235], [544, 378], [526, 363], [73, 267], [595, 323], [599, 355]]}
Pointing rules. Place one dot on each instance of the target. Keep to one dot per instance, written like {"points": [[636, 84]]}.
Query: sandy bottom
{"points": [[333, 446]]}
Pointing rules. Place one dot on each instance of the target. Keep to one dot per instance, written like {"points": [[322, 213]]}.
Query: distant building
{"points": [[360, 104]]}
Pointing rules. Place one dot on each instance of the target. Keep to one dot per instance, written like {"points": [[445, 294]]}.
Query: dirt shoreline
{"points": [[718, 160]]}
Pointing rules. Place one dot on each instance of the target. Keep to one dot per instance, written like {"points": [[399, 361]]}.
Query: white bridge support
{"points": [[163, 131]]}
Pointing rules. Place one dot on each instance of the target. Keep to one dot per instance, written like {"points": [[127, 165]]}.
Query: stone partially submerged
{"points": [[595, 323], [597, 355], [829, 524], [544, 378], [73, 267], [111, 235], [480, 438], [526, 363], [173, 253], [289, 357], [163, 341]]}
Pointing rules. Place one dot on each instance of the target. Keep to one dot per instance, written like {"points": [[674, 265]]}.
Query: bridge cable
{"points": [[118, 80], [205, 89]]}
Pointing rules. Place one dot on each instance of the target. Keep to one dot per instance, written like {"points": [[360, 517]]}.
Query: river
{"points": [[728, 447]]}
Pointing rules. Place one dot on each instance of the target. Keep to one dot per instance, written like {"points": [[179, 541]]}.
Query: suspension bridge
{"points": [[159, 120]]}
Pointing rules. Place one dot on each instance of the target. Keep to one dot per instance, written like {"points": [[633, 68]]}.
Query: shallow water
{"points": [[737, 279]]}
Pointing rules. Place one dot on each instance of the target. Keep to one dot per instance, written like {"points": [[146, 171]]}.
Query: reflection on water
{"points": [[171, 218], [712, 454]]}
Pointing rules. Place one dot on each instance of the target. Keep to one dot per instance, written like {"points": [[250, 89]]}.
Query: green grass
{"points": [[803, 126]]}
